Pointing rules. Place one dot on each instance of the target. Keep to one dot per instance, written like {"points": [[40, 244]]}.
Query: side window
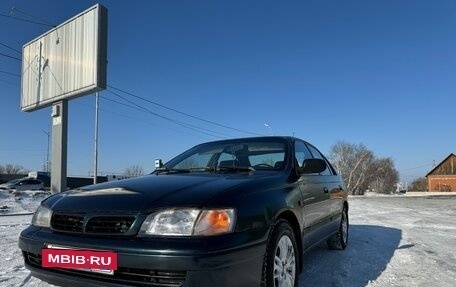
{"points": [[301, 153], [317, 154]]}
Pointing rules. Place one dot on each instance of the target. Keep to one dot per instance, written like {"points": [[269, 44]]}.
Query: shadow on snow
{"points": [[370, 249]]}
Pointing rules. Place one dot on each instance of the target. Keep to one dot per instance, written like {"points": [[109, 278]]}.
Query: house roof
{"points": [[437, 166]]}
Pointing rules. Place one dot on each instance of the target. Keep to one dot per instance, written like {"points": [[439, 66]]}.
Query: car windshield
{"points": [[264, 154]]}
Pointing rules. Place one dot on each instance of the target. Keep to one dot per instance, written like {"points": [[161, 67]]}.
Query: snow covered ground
{"points": [[393, 241]]}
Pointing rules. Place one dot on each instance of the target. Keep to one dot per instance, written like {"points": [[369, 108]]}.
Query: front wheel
{"points": [[280, 267], [340, 239]]}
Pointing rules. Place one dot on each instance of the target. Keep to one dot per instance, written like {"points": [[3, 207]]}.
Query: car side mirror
{"points": [[158, 163], [313, 165]]}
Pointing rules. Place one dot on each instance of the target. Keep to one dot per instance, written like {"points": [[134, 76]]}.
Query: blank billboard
{"points": [[66, 62]]}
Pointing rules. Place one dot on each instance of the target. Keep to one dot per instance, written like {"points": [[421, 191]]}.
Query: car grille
{"points": [[92, 224], [71, 223], [109, 224], [130, 276]]}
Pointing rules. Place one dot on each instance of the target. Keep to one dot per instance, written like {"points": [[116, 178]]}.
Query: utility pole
{"points": [[46, 166], [95, 153], [270, 129]]}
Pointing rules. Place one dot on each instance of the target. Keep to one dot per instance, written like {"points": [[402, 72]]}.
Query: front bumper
{"points": [[227, 260]]}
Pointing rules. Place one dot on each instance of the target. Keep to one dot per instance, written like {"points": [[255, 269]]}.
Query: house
{"points": [[443, 176]]}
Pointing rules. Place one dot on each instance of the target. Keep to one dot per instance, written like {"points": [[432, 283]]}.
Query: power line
{"points": [[146, 122], [139, 107], [417, 167], [46, 23], [42, 21], [183, 113], [12, 74], [186, 125], [24, 20], [136, 119], [10, 83], [11, 48], [8, 56]]}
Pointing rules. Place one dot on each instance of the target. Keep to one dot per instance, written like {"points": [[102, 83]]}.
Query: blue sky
{"points": [[381, 73]]}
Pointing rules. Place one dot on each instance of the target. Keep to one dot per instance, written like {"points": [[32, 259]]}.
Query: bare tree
{"points": [[353, 163], [361, 170], [419, 184], [134, 170], [14, 169], [383, 176], [2, 169]]}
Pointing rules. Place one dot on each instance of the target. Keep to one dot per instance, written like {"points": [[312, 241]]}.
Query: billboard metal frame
{"points": [[66, 62]]}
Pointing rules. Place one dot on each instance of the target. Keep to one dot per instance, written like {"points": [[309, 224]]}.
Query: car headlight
{"points": [[189, 222], [42, 217]]}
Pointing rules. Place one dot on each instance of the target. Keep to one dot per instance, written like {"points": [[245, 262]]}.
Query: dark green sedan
{"points": [[237, 212]]}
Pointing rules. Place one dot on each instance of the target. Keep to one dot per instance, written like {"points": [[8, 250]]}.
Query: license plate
{"points": [[98, 261]]}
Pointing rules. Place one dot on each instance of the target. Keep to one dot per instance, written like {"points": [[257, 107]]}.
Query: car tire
{"points": [[339, 240], [280, 265]]}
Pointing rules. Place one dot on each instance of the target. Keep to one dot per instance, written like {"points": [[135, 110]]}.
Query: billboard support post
{"points": [[59, 146], [95, 153]]}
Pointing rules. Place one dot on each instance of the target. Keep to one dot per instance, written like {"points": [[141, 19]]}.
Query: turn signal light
{"points": [[212, 222]]}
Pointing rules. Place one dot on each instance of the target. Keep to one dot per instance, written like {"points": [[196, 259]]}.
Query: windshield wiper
{"points": [[203, 169], [235, 168], [172, 170], [185, 170], [221, 168]]}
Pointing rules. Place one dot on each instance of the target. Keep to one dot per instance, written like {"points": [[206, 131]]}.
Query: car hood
{"points": [[152, 192]]}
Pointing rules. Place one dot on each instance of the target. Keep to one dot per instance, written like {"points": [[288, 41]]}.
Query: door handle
{"points": [[325, 189]]}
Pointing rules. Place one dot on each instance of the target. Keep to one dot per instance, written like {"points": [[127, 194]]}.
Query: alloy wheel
{"points": [[284, 263]]}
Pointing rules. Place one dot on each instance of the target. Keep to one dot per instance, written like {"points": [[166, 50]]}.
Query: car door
{"points": [[315, 199], [21, 185], [34, 184], [333, 184]]}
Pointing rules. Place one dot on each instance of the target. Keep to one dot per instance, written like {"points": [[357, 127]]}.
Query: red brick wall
{"points": [[442, 182]]}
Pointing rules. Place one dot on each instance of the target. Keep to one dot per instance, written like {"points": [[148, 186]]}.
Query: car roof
{"points": [[259, 138]]}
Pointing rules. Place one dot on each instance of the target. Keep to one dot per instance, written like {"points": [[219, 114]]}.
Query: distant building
{"points": [[443, 176]]}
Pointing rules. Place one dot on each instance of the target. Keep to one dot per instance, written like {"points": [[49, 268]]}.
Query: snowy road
{"points": [[393, 241]]}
